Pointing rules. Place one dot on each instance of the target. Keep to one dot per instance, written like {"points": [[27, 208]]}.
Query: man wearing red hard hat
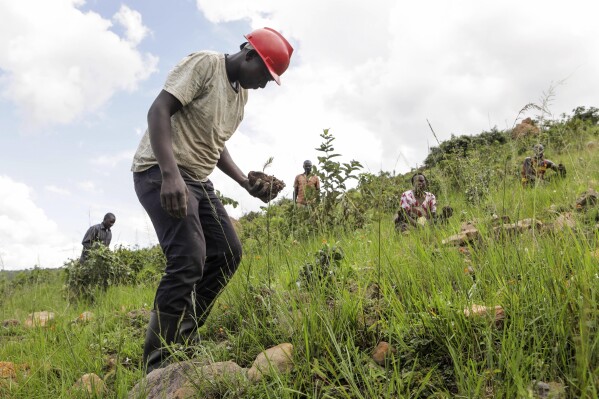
{"points": [[197, 111]]}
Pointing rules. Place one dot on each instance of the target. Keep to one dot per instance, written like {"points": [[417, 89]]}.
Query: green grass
{"points": [[408, 290]]}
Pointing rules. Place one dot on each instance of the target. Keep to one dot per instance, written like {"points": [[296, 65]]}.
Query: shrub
{"points": [[326, 263], [101, 269]]}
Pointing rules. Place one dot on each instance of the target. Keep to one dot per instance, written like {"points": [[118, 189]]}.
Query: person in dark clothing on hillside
{"points": [[98, 233], [534, 168], [200, 107]]}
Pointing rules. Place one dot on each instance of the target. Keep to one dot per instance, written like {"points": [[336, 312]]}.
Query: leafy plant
{"points": [[104, 268], [333, 175], [326, 262]]}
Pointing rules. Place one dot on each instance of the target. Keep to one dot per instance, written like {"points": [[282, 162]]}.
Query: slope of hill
{"points": [[508, 310]]}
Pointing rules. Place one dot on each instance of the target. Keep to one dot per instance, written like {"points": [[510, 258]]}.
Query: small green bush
{"points": [[104, 268]]}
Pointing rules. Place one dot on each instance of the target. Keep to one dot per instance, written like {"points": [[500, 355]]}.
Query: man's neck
{"points": [[229, 68]]}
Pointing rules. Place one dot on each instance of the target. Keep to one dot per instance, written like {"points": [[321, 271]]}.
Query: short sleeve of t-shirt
{"points": [[184, 82]]}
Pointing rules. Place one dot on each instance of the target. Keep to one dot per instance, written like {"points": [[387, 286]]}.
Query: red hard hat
{"points": [[274, 50]]}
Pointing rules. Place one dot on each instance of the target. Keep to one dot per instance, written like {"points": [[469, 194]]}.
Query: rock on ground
{"points": [[180, 378], [278, 358], [39, 319], [382, 352], [90, 383]]}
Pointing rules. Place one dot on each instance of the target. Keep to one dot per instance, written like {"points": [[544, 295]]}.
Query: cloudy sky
{"points": [[77, 78]]}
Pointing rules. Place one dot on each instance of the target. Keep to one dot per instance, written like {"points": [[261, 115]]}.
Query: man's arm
{"points": [[230, 168], [89, 237], [408, 217], [551, 165], [295, 188], [173, 192]]}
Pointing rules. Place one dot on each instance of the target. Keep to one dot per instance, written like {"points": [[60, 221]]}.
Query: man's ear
{"points": [[250, 54]]}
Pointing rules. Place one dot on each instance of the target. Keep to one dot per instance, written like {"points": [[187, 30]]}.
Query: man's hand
{"points": [[259, 189], [173, 196], [561, 169], [263, 186]]}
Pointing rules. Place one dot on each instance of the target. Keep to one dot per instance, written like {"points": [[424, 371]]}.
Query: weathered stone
{"points": [[382, 352], [165, 382], [278, 358], [186, 392], [563, 221], [8, 370], [468, 225], [518, 227], [90, 383], [485, 311], [465, 237], [526, 128], [85, 317], [587, 199], [526, 224], [496, 220], [11, 323], [547, 390], [39, 319], [213, 371]]}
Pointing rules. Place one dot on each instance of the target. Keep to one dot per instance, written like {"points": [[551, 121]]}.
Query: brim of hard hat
{"points": [[274, 75]]}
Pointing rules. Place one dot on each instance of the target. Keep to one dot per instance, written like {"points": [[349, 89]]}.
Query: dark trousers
{"points": [[202, 250]]}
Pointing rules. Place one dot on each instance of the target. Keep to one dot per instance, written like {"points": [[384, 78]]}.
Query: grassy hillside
{"points": [[408, 290]]}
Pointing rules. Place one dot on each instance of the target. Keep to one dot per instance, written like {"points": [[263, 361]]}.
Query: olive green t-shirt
{"points": [[212, 111]]}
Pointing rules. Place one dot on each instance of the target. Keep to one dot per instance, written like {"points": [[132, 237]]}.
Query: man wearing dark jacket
{"points": [[98, 233]]}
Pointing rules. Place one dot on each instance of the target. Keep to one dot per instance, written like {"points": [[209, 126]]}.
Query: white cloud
{"points": [[111, 161], [57, 190], [59, 63], [131, 21], [134, 228], [90, 187], [375, 74], [27, 235]]}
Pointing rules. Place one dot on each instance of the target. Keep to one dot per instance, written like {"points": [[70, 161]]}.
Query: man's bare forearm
{"points": [[229, 167]]}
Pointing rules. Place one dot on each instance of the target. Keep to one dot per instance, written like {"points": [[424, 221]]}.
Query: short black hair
{"points": [[419, 174], [109, 215]]}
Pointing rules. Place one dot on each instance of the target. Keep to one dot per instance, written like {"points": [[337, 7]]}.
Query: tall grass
{"points": [[406, 289]]}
